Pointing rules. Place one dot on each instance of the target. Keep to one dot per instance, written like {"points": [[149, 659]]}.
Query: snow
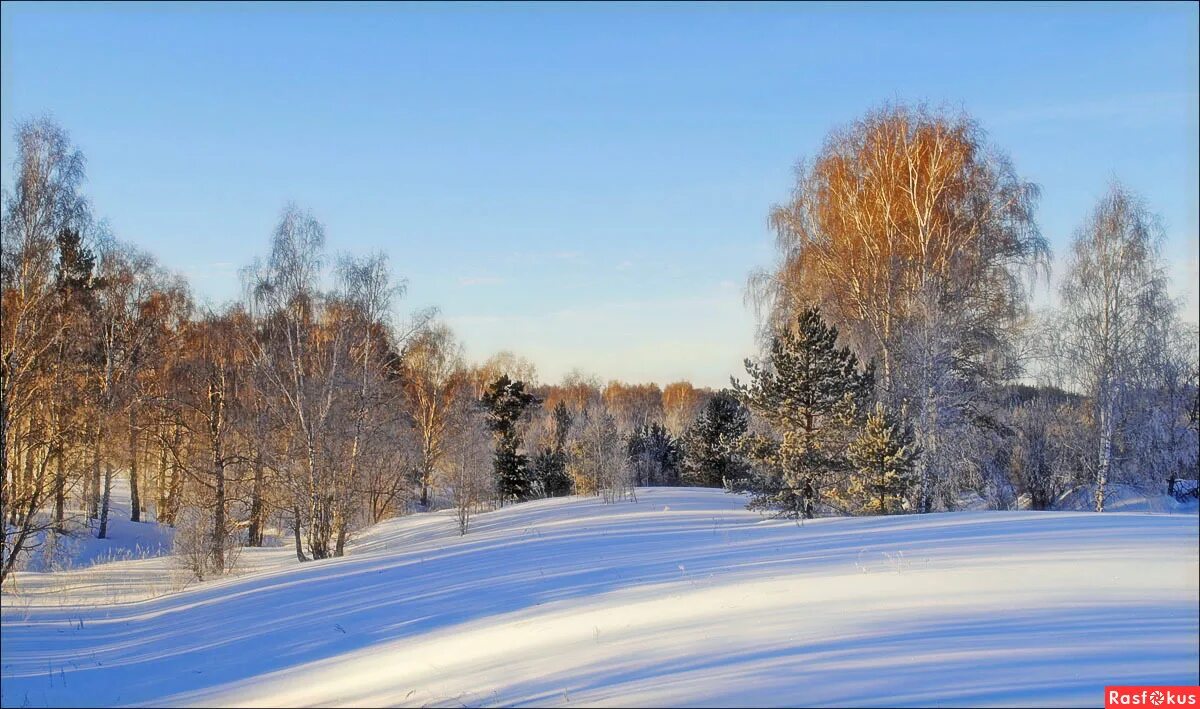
{"points": [[1124, 498], [124, 540], [682, 599]]}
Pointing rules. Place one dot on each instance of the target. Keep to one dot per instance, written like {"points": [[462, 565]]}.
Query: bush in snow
{"points": [[195, 542]]}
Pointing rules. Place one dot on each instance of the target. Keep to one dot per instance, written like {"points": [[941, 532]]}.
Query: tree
{"points": [[633, 405], [365, 297], [45, 202], [507, 403], [209, 385], [578, 390], [301, 352], [680, 403], [1163, 440], [1041, 458], [914, 236], [597, 459], [883, 456], [75, 281], [712, 444], [433, 377], [506, 363], [653, 455], [550, 463], [1114, 301], [467, 478], [808, 390]]}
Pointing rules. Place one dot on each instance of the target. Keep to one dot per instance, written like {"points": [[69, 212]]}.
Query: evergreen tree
{"points": [[712, 444], [653, 455], [884, 458], [506, 402], [75, 282], [75, 271], [550, 463], [809, 391]]}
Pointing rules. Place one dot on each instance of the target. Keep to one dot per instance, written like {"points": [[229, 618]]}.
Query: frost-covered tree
{"points": [[884, 457], [597, 462], [712, 445], [550, 462], [914, 235], [1041, 456], [809, 390], [468, 478], [1114, 305], [653, 455], [1165, 444]]}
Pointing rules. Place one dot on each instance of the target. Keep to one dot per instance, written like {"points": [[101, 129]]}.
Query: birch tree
{"points": [[918, 240], [302, 353], [1113, 296], [434, 376], [44, 202]]}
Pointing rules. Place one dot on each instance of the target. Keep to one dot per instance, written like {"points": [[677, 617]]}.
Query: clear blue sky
{"points": [[585, 185]]}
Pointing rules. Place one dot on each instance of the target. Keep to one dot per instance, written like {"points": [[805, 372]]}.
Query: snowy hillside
{"points": [[80, 548], [683, 598]]}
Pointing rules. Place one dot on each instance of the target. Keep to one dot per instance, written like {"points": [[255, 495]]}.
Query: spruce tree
{"points": [[809, 390], [550, 463], [653, 455], [884, 458], [506, 402], [712, 444]]}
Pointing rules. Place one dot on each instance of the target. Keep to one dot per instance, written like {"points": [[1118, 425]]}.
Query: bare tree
{"points": [[45, 202], [129, 313], [433, 378], [680, 403], [302, 353], [1042, 459], [468, 458], [597, 461], [1113, 295]]}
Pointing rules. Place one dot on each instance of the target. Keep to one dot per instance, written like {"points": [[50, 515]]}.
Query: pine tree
{"points": [[506, 402], [809, 391], [75, 282], [884, 458], [712, 444]]}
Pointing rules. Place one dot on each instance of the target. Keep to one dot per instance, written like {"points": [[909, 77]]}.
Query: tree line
{"points": [[304, 409], [902, 368]]}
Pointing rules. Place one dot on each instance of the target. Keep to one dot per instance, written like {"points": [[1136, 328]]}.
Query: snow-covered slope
{"points": [[683, 598], [80, 548]]}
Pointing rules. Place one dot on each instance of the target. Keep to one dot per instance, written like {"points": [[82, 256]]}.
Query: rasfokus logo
{"points": [[1151, 696]]}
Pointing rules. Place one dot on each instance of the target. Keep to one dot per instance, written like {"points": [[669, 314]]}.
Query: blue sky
{"points": [[585, 185]]}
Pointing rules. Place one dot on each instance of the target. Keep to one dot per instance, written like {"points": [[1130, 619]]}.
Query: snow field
{"points": [[683, 598]]}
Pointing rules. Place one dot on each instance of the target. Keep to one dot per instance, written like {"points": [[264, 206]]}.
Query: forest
{"points": [[901, 368]]}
